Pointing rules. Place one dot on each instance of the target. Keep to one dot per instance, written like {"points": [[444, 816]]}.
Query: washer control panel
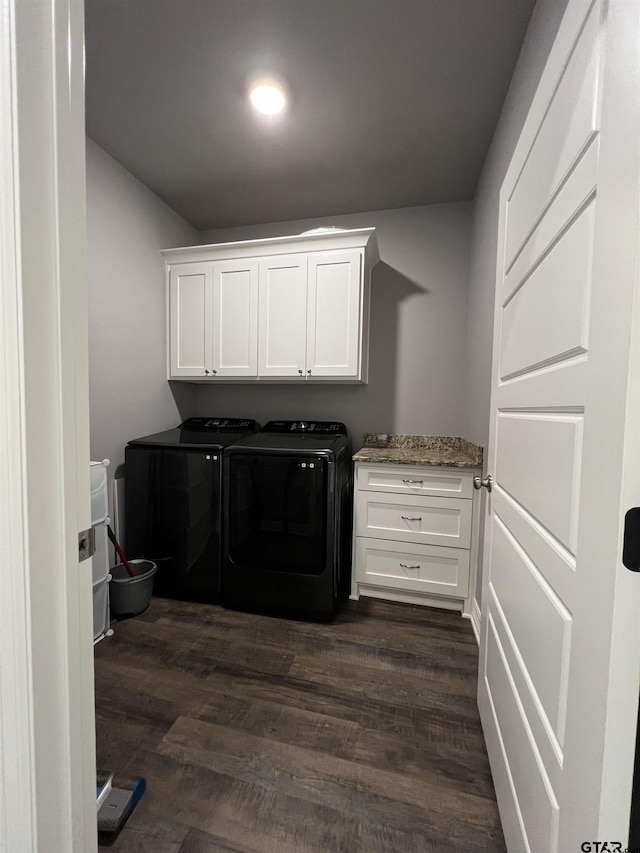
{"points": [[310, 427]]}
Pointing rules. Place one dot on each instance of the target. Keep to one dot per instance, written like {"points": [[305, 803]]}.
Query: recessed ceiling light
{"points": [[268, 96]]}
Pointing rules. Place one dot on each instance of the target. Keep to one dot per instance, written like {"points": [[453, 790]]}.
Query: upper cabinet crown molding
{"points": [[286, 309], [354, 238]]}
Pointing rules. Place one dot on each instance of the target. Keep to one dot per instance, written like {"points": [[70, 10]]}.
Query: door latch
{"points": [[487, 483], [631, 541], [86, 544]]}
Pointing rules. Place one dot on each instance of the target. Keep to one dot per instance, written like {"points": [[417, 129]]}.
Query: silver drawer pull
{"points": [[407, 566], [411, 517], [412, 481]]}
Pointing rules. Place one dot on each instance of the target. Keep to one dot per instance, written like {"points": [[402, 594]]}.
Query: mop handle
{"points": [[120, 552]]}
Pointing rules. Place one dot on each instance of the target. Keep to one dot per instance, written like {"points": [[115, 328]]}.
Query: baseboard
{"points": [[474, 618], [387, 594]]}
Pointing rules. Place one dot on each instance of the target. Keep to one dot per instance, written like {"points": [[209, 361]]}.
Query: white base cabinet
{"points": [[415, 534], [287, 310]]}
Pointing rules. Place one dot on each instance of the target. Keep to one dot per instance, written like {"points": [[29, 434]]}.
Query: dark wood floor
{"points": [[261, 735]]}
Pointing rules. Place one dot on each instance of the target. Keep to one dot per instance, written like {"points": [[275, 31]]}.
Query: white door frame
{"points": [[47, 732]]}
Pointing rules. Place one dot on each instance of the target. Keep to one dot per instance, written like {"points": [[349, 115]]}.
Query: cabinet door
{"points": [[190, 303], [235, 318], [333, 315], [282, 316]]}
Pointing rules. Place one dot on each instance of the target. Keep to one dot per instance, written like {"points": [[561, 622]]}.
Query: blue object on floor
{"points": [[117, 807]]}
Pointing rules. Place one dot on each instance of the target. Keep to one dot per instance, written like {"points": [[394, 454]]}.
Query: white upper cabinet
{"points": [[190, 301], [283, 311], [287, 309], [235, 319], [333, 315]]}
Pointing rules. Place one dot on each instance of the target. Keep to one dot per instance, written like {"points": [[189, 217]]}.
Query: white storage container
{"points": [[101, 609], [100, 560], [99, 494]]}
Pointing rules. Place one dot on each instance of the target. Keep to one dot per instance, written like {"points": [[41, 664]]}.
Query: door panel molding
{"points": [[569, 123], [541, 644], [537, 806], [547, 743]]}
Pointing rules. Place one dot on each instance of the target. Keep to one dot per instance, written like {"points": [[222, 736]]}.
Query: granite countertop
{"points": [[444, 450]]}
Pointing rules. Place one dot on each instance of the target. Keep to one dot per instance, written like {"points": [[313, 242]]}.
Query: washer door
{"points": [[277, 513]]}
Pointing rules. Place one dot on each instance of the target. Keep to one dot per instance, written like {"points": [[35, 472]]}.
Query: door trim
{"points": [[47, 733], [17, 808]]}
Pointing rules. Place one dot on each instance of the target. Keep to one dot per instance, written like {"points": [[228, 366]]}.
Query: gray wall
{"points": [[127, 227], [417, 365], [484, 239]]}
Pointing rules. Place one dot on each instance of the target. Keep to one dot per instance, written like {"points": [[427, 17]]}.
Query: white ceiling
{"points": [[393, 104]]}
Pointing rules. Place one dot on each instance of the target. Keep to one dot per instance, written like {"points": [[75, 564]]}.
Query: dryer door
{"points": [[277, 513], [172, 507]]}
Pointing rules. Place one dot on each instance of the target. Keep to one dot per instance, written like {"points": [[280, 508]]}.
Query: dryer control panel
{"points": [[220, 425]]}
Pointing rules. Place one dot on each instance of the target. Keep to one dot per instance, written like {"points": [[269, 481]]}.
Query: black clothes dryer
{"points": [[288, 492], [173, 503]]}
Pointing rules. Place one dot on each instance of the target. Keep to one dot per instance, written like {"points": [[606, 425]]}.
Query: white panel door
{"points": [[333, 315], [235, 318], [190, 307], [282, 316], [560, 657]]}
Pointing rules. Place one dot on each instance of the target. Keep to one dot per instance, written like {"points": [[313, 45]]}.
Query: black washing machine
{"points": [[288, 493], [173, 503]]}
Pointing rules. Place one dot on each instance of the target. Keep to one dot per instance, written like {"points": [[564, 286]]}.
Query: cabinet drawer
{"points": [[415, 518], [417, 568], [420, 481]]}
